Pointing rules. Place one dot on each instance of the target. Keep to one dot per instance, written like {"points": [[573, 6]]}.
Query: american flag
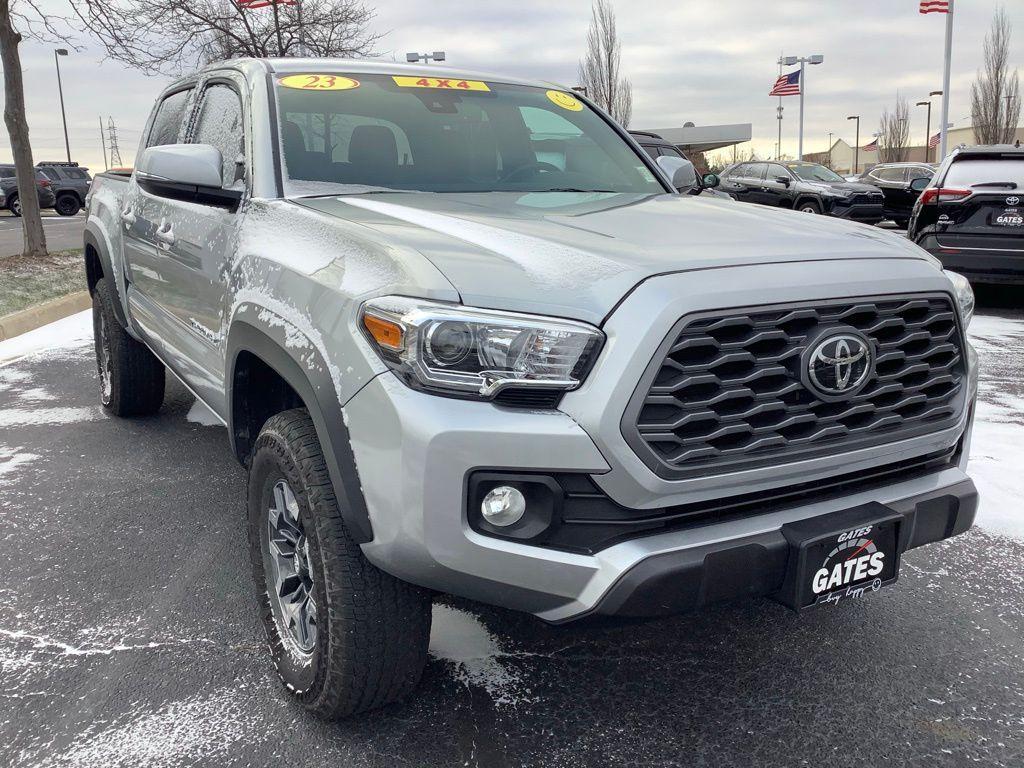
{"points": [[933, 142], [263, 3], [787, 85], [872, 147], [934, 6]]}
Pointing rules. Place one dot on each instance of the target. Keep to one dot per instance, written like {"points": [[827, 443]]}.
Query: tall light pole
{"points": [[829, 158], [57, 53], [426, 58], [789, 61], [856, 146], [928, 125], [778, 145]]}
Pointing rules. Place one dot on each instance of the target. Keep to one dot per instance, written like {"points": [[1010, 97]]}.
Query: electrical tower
{"points": [[115, 153]]}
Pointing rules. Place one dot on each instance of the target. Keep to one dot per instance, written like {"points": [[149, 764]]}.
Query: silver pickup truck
{"points": [[467, 337]]}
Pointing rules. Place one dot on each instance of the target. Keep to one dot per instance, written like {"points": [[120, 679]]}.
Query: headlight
{"points": [[477, 352], [964, 295]]}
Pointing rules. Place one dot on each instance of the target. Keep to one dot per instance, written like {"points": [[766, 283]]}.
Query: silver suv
{"points": [[467, 338]]}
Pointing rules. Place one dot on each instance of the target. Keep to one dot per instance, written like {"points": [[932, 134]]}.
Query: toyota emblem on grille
{"points": [[1012, 200], [839, 364]]}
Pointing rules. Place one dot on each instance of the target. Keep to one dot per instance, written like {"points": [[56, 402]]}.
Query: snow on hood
{"points": [[577, 255]]}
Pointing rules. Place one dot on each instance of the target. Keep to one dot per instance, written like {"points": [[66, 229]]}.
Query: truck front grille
{"points": [[725, 389]]}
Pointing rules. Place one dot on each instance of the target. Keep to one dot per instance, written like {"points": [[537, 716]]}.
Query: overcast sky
{"points": [[706, 61]]}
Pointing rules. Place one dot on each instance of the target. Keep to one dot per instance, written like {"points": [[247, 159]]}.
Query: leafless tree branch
{"points": [[599, 69], [995, 94], [894, 133]]}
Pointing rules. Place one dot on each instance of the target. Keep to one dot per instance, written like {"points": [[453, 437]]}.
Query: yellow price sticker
{"points": [[446, 83], [319, 82], [565, 101]]}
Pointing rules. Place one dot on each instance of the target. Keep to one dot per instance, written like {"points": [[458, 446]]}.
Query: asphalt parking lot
{"points": [[62, 232], [128, 634]]}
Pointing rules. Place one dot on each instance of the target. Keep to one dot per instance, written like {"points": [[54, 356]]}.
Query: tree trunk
{"points": [[17, 128]]}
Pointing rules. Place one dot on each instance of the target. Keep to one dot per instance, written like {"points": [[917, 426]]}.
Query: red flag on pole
{"points": [[934, 6], [263, 3]]}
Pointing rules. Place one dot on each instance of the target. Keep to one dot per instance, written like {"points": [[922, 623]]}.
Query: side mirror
{"points": [[190, 172], [783, 180], [920, 184], [711, 180], [680, 172]]}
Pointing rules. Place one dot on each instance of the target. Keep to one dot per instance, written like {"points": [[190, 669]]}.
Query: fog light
{"points": [[503, 506]]}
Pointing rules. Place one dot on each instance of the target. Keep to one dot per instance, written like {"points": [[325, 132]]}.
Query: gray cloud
{"points": [[702, 60]]}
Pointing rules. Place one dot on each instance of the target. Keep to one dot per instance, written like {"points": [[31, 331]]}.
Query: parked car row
{"points": [[59, 185]]}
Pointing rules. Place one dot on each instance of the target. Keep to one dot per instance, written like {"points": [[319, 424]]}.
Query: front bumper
{"points": [[415, 453], [865, 213], [979, 265]]}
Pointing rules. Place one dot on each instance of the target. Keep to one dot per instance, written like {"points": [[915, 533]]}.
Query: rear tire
{"points": [[131, 377], [67, 205], [344, 636], [809, 206], [14, 205]]}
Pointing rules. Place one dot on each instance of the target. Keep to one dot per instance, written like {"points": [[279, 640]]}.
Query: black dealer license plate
{"points": [[841, 556], [850, 564], [1009, 218]]}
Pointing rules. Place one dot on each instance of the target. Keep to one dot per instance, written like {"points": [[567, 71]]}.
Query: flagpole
{"points": [[803, 87], [945, 83]]}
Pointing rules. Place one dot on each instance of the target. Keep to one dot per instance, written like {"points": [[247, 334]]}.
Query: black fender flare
{"points": [[805, 197], [107, 265], [314, 385]]}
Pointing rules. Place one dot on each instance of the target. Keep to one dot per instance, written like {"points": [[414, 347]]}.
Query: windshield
{"points": [[811, 172], [447, 135]]}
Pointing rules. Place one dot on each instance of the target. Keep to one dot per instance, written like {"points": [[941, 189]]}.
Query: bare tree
{"points": [[17, 129], [599, 69], [174, 36], [995, 95], [894, 133]]}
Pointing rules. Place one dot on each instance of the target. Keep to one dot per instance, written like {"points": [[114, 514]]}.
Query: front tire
{"points": [[131, 377], [809, 206], [67, 205], [344, 636]]}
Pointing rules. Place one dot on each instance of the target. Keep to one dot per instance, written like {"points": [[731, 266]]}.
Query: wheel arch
{"points": [[806, 198], [252, 355], [98, 264]]}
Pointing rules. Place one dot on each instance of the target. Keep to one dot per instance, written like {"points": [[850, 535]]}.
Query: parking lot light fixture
{"points": [[789, 61], [856, 145]]}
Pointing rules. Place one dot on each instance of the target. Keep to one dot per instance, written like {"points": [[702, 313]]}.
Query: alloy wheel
{"points": [[290, 578]]}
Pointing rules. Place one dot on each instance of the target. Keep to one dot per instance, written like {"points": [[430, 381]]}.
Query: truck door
{"points": [[142, 252], [198, 241]]}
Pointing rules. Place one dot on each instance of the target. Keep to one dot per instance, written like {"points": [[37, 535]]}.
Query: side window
{"points": [[652, 151], [891, 174], [220, 125], [51, 174], [920, 173], [775, 171], [166, 126], [739, 172], [671, 152], [756, 171]]}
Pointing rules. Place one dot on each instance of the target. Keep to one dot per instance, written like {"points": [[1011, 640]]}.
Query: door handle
{"points": [[128, 217], [165, 234]]}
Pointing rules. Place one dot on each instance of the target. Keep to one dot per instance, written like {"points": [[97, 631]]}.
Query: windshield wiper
{"points": [[573, 189], [1001, 184]]}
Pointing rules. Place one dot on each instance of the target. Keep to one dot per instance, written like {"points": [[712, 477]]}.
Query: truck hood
{"points": [[577, 254]]}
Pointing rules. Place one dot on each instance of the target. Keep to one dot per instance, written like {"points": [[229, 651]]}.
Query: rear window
{"points": [[966, 173]]}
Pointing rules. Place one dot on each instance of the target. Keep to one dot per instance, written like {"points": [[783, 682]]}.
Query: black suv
{"points": [[806, 187], [70, 184], [9, 190], [971, 214], [894, 181], [657, 146]]}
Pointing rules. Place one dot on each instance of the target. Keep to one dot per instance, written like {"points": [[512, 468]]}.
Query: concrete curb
{"points": [[38, 315]]}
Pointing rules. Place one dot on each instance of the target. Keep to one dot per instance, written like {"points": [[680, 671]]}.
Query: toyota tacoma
{"points": [[467, 338]]}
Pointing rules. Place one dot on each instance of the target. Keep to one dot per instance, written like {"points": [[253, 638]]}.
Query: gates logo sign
{"points": [[854, 559]]}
